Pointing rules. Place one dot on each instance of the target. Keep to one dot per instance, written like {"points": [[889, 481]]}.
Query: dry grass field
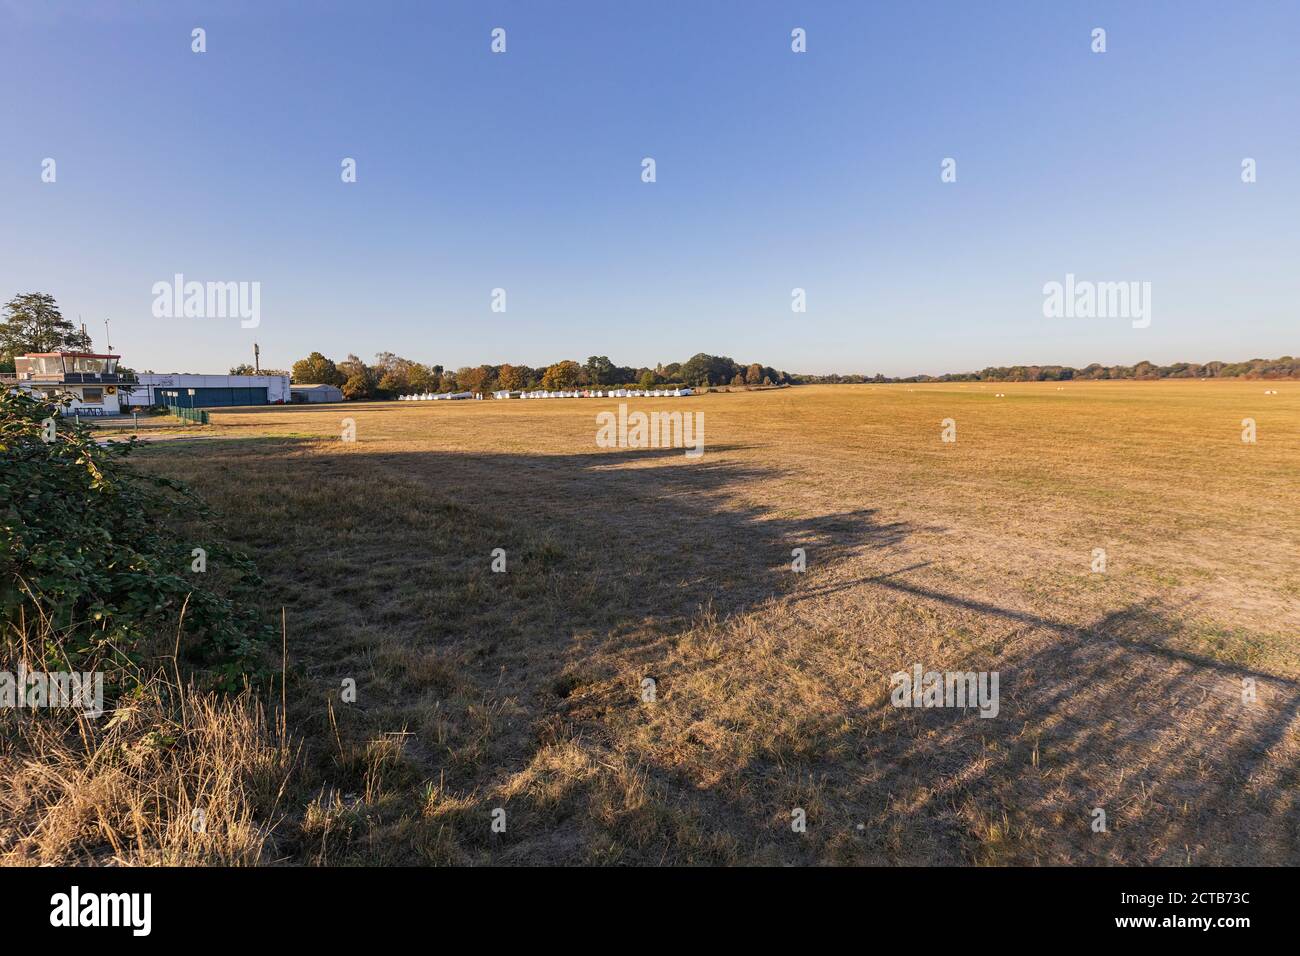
{"points": [[523, 690]]}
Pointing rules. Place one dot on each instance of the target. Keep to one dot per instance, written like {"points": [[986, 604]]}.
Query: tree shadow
{"points": [[1192, 760], [384, 561], [613, 559]]}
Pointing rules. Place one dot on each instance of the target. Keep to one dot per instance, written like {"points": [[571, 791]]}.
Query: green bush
{"points": [[97, 550]]}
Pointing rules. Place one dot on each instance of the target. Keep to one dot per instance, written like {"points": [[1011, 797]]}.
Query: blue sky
{"points": [[775, 170]]}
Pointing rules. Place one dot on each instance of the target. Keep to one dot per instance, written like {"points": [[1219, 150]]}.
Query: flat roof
{"points": [[66, 355]]}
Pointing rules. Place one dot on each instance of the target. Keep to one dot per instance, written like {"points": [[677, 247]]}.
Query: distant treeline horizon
{"points": [[33, 322], [391, 375], [1284, 367]]}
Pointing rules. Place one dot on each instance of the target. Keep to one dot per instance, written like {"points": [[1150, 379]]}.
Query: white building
{"points": [[90, 379], [311, 394], [96, 387], [209, 391]]}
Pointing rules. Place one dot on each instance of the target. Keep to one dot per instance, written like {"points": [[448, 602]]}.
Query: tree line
{"points": [[32, 322], [1284, 367], [391, 375]]}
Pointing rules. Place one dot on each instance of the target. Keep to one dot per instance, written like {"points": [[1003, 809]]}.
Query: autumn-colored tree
{"points": [[754, 374], [394, 373], [316, 369], [511, 377], [358, 386], [352, 365], [562, 375], [421, 378], [361, 379], [473, 379]]}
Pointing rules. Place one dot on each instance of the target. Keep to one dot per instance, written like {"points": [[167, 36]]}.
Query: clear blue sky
{"points": [[775, 170]]}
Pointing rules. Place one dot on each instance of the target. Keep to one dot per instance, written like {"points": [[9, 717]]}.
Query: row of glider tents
{"points": [[437, 396], [583, 393], [601, 393]]}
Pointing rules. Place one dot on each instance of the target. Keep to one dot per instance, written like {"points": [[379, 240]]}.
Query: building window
{"points": [[87, 364], [92, 396]]}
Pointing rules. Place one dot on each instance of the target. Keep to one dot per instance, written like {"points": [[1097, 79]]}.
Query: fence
{"points": [[196, 415]]}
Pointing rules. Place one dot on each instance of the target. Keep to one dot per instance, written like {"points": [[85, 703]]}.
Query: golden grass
{"points": [[523, 691], [172, 778]]}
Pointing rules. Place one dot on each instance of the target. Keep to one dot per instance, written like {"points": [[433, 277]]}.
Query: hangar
{"points": [[97, 386], [209, 391]]}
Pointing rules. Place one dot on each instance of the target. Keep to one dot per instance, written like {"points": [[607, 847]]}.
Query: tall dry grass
{"points": [[168, 775]]}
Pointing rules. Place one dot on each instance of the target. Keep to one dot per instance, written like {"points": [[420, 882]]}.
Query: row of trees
{"points": [[32, 322], [392, 375], [1284, 367], [245, 368]]}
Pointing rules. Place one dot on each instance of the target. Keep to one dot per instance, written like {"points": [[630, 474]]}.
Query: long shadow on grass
{"points": [[384, 562], [1192, 760]]}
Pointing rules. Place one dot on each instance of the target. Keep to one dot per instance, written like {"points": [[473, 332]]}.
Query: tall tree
{"points": [[600, 370], [705, 369], [316, 369], [358, 386], [360, 380], [473, 379], [421, 378], [561, 375], [511, 377], [33, 323]]}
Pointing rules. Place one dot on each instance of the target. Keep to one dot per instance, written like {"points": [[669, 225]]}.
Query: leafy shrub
{"points": [[94, 548]]}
